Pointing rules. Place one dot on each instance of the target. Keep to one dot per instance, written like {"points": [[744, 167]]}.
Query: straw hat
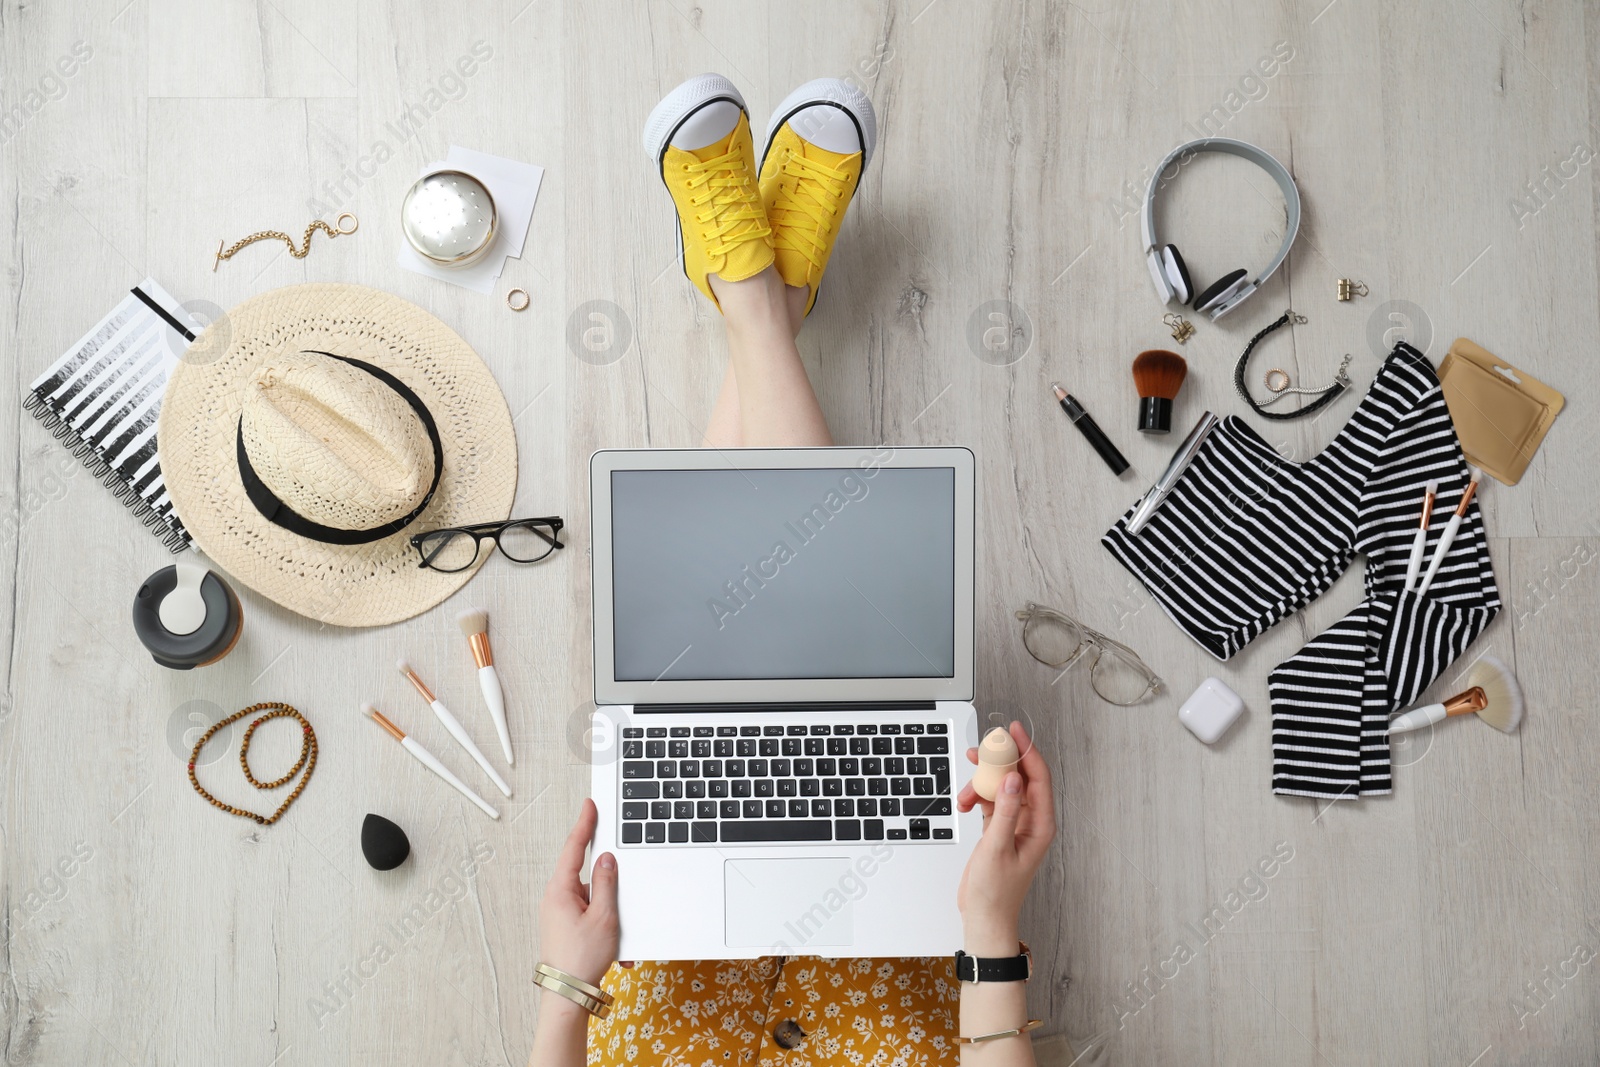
{"points": [[354, 419]]}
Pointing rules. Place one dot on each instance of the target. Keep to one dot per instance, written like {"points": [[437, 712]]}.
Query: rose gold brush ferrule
{"points": [[1427, 509], [482, 654], [1466, 497], [427, 694], [377, 717], [1472, 701]]}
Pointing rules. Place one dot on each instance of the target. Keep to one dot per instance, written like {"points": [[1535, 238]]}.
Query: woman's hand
{"points": [[578, 927], [1018, 827]]}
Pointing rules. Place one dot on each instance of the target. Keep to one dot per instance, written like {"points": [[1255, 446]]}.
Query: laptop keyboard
{"points": [[706, 785]]}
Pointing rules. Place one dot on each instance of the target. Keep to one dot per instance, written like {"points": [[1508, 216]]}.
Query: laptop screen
{"points": [[783, 573]]}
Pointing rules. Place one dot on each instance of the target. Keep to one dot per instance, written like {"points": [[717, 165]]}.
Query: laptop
{"points": [[783, 662]]}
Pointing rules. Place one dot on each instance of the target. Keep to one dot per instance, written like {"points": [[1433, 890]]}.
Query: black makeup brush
{"points": [[1159, 375]]}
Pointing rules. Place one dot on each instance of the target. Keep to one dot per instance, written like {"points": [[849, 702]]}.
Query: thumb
{"points": [[603, 886], [1002, 826]]}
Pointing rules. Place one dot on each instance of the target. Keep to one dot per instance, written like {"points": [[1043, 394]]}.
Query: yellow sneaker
{"points": [[818, 143], [699, 135]]}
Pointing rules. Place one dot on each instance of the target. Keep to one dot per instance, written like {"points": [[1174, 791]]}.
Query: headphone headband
{"points": [[1244, 150]]}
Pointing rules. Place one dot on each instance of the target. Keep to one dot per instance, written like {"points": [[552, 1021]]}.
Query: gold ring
{"points": [[338, 223], [511, 301], [1280, 376]]}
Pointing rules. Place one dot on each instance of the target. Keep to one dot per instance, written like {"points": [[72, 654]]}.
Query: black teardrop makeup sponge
{"points": [[383, 843]]}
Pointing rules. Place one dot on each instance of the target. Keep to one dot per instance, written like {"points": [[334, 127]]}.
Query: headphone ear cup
{"points": [[1177, 273], [1217, 289]]}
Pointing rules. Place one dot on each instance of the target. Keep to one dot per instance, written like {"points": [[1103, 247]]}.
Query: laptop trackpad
{"points": [[788, 905]]}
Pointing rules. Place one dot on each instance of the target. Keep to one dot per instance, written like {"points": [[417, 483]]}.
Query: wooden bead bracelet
{"points": [[308, 759]]}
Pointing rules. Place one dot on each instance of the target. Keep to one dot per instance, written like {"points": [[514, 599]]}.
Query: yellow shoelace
{"points": [[733, 212], [810, 190]]}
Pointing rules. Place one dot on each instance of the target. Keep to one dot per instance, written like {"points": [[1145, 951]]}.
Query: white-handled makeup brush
{"points": [[452, 724], [1494, 696], [475, 624], [427, 759], [1414, 564], [1449, 534]]}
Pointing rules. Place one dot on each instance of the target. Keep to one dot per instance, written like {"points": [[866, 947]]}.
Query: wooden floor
{"points": [[1444, 154]]}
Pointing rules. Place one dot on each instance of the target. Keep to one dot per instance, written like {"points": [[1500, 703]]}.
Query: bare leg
{"points": [[797, 298], [725, 429], [766, 400]]}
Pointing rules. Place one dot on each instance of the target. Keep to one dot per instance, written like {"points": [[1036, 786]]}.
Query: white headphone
{"points": [[1167, 268]]}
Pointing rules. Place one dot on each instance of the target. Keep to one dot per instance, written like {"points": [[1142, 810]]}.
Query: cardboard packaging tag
{"points": [[1501, 414]]}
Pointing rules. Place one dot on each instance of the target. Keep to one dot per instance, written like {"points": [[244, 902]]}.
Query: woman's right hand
{"points": [[1018, 826], [578, 926]]}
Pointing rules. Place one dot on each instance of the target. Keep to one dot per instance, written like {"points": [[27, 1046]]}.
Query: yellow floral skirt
{"points": [[780, 1012]]}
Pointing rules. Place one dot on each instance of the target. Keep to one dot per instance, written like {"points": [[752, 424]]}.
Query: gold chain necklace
{"points": [[308, 759], [278, 235]]}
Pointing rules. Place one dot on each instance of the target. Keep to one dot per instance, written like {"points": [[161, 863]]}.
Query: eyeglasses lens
{"points": [[449, 551], [1119, 680], [527, 542], [1051, 640]]}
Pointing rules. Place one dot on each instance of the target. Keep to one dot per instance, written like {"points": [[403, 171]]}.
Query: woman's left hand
{"points": [[578, 927], [1018, 826]]}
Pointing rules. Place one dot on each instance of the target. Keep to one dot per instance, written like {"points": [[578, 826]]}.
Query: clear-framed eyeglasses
{"points": [[1058, 640]]}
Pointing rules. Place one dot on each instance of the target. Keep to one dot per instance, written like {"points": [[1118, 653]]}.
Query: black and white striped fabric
{"points": [[103, 397], [1248, 537]]}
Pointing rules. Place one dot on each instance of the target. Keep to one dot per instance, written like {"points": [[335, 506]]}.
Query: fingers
{"points": [[968, 799], [570, 861], [1019, 734], [603, 887], [972, 756], [1001, 830]]}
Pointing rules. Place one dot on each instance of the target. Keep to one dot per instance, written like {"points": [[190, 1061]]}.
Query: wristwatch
{"points": [[976, 970]]}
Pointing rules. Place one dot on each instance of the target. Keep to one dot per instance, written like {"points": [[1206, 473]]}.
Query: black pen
{"points": [[1080, 418]]}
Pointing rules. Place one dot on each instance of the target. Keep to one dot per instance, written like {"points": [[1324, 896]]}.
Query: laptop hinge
{"points": [[801, 708]]}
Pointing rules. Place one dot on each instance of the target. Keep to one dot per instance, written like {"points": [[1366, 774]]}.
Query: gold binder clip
{"points": [[1182, 328], [1349, 288]]}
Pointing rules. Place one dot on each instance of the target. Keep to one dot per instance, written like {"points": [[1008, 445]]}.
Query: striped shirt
{"points": [[1247, 538]]}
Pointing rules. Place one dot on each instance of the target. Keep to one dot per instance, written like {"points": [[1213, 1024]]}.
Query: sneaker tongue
{"points": [[836, 160], [714, 149]]}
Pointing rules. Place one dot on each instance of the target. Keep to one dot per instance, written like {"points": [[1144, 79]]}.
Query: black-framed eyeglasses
{"points": [[456, 548]]}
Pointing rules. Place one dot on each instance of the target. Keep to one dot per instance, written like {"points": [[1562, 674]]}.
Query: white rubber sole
{"points": [[837, 93], [668, 115]]}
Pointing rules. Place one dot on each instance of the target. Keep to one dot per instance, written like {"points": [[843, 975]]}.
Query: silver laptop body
{"points": [[783, 647]]}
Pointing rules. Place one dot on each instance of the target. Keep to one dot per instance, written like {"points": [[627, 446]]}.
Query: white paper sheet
{"points": [[515, 187]]}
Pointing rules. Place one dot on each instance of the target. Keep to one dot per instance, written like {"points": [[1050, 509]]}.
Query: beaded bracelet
{"points": [[308, 759]]}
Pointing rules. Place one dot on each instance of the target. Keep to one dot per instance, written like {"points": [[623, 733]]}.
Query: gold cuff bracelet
{"points": [[590, 998]]}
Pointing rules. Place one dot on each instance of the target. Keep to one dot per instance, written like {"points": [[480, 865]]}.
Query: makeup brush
{"points": [[1414, 564], [1494, 696], [1449, 534], [427, 759], [475, 624], [1159, 375], [452, 724]]}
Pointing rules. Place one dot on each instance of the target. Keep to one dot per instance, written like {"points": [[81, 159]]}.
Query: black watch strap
{"points": [[976, 970]]}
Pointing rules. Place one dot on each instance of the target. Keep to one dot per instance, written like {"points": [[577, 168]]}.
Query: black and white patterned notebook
{"points": [[103, 397]]}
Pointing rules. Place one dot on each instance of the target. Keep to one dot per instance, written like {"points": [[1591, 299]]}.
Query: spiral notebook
{"points": [[103, 397]]}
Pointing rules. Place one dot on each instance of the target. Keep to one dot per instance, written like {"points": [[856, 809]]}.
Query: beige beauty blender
{"points": [[997, 757]]}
